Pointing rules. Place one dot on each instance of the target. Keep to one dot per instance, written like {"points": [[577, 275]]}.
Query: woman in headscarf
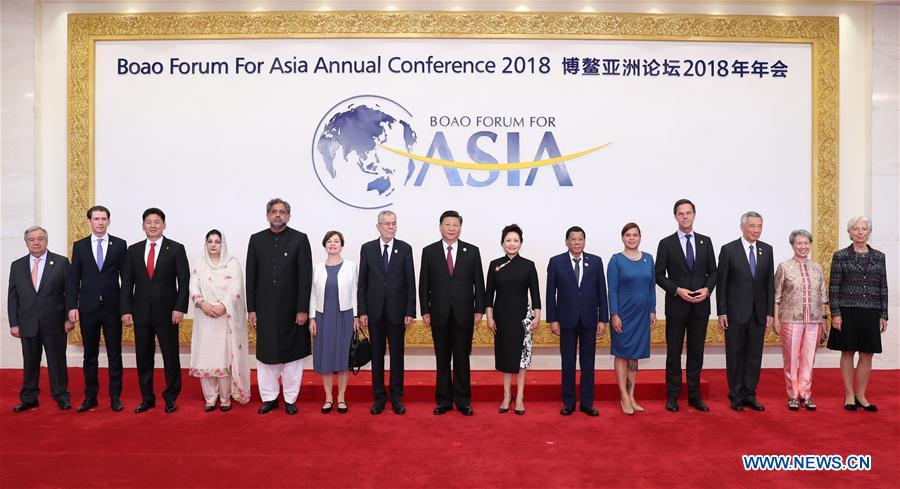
{"points": [[219, 337]]}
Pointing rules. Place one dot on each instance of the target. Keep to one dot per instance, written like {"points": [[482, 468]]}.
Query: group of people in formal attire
{"points": [[300, 309]]}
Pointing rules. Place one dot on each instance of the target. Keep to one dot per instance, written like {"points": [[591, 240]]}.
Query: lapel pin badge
{"points": [[395, 251], [51, 263], [585, 264], [464, 249], [701, 241], [285, 253]]}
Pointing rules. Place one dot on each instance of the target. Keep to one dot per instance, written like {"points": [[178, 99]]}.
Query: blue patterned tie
{"points": [[752, 262], [99, 254], [384, 258], [689, 252]]}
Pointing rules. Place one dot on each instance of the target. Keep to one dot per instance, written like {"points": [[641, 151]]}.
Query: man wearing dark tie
{"points": [[387, 305], [92, 298], [37, 315], [578, 311], [451, 292], [745, 299], [686, 270], [154, 298]]}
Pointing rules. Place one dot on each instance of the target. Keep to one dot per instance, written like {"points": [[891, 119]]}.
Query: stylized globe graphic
{"points": [[346, 156]]}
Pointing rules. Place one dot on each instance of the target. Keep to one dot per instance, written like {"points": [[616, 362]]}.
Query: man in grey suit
{"points": [[37, 315], [745, 298]]}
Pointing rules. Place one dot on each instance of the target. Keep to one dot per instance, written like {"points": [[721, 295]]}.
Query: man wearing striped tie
{"points": [[92, 298], [37, 315]]}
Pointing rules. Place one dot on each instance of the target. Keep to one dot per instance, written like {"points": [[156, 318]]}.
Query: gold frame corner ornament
{"points": [[821, 33]]}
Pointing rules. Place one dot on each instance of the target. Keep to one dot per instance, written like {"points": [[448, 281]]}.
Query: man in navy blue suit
{"points": [[577, 310], [387, 305], [92, 299]]}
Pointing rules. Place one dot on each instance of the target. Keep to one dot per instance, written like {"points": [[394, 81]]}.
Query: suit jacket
{"points": [[739, 294], [41, 310], [672, 272], [85, 284], [346, 282], [463, 291], [392, 293], [153, 300], [567, 303]]}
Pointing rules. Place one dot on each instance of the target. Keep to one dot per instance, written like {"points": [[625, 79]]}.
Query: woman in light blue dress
{"points": [[632, 307]]}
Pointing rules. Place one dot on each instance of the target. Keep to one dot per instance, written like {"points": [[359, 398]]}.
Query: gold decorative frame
{"points": [[85, 30]]}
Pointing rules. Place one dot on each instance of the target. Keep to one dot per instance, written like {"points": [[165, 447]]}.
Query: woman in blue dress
{"points": [[632, 307], [332, 301]]}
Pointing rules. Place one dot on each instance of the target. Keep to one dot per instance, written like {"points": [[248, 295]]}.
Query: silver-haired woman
{"points": [[799, 317], [858, 297]]}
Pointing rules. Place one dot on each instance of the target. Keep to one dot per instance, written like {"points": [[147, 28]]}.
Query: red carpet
{"points": [[50, 448]]}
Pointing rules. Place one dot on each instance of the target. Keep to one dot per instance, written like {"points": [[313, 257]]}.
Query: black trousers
{"points": [[144, 349], [382, 332], [110, 323], [453, 344], [583, 340], [55, 347], [694, 326], [743, 358]]}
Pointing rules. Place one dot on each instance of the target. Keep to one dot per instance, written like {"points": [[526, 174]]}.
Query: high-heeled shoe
{"points": [[637, 407], [519, 411], [869, 407], [504, 410], [627, 410]]}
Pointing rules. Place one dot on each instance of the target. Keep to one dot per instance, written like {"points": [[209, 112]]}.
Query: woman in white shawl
{"points": [[219, 337]]}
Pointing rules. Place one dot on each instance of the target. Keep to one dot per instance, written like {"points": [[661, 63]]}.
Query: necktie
{"points": [[384, 258], [34, 272], [689, 252], [577, 271], [752, 262], [450, 259], [151, 259], [99, 254]]}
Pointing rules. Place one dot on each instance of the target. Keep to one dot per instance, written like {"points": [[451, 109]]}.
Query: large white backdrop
{"points": [[210, 149]]}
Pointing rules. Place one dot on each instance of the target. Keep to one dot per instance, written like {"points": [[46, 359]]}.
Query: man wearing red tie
{"points": [[154, 298]]}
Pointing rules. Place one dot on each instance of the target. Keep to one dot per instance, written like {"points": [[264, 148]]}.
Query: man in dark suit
{"points": [[387, 305], [154, 298], [686, 270], [37, 315], [451, 291], [745, 299], [578, 311], [92, 298]]}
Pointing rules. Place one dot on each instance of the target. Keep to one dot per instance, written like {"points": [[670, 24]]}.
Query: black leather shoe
{"points": [[116, 405], [466, 411], [672, 404], [208, 409], [25, 406], [440, 410], [225, 408], [567, 410], [290, 408], [398, 407], [698, 404], [144, 406], [267, 406], [870, 408], [64, 405], [376, 408], [170, 407], [737, 406], [87, 405], [590, 411], [754, 405]]}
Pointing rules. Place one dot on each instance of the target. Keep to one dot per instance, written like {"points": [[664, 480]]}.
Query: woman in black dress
{"points": [[858, 298], [510, 279]]}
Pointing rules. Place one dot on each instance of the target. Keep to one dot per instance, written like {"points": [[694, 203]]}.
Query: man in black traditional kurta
{"points": [[279, 277]]}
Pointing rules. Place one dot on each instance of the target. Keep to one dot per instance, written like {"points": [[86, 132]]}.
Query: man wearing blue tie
{"points": [[577, 310], [745, 298], [92, 299]]}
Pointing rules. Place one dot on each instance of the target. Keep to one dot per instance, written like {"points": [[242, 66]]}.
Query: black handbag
{"points": [[360, 351]]}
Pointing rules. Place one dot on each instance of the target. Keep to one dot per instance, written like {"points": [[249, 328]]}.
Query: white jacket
{"points": [[347, 278]]}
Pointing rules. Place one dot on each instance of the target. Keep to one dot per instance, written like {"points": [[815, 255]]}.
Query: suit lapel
{"points": [[109, 251], [570, 265], [395, 252], [48, 269]]}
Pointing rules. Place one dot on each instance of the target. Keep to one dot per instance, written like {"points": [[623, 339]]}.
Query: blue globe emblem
{"points": [[346, 155]]}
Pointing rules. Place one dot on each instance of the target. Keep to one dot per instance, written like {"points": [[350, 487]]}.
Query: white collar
{"points": [[748, 244]]}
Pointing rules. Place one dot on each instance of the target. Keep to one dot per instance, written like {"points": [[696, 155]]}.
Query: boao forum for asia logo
{"points": [[363, 153]]}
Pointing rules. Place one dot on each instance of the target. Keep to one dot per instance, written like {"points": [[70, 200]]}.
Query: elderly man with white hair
{"points": [[858, 296]]}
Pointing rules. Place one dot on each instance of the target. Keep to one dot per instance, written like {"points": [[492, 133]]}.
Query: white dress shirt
{"points": [[683, 241], [41, 266], [453, 251], [156, 255], [104, 244], [390, 247], [580, 266]]}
